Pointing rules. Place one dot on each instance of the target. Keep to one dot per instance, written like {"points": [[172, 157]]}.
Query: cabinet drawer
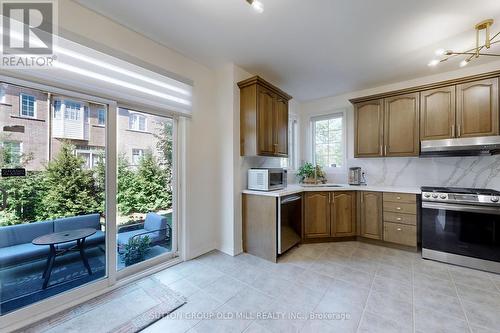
{"points": [[400, 233], [400, 218], [400, 197], [396, 207]]}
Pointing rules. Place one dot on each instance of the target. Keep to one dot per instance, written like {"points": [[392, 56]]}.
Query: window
{"points": [[137, 122], [28, 106], [328, 140], [3, 88], [72, 110], [11, 153], [91, 155], [57, 109], [291, 161], [137, 154], [101, 117]]}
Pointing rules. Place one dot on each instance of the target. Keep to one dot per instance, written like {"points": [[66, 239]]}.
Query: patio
{"points": [[21, 284]]}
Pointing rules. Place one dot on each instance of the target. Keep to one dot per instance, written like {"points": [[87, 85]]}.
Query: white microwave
{"points": [[267, 179]]}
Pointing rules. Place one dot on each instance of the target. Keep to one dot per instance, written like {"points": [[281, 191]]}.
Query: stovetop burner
{"points": [[461, 190]]}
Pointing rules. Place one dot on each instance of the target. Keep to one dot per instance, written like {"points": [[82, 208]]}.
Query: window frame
{"points": [[141, 155], [131, 116], [331, 115], [21, 108], [20, 155]]}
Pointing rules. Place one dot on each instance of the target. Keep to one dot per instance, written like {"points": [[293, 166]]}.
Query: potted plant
{"points": [[310, 174], [135, 250]]}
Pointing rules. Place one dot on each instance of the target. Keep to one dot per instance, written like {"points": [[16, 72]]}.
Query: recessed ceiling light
{"points": [[440, 52], [464, 63], [256, 5]]}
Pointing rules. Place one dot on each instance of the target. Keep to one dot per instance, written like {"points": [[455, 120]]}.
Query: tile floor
{"points": [[331, 287]]}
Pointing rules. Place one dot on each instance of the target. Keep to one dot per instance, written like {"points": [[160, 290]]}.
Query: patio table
{"points": [[52, 239]]}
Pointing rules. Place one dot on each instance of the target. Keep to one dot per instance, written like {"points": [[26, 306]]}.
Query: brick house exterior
{"points": [[39, 135]]}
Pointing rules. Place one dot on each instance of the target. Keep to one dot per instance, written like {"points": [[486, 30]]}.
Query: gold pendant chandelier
{"points": [[475, 52]]}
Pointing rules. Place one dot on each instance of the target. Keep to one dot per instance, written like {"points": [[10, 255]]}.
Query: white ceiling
{"points": [[311, 48]]}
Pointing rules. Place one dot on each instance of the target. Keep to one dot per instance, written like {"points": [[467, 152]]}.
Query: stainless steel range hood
{"points": [[484, 145]]}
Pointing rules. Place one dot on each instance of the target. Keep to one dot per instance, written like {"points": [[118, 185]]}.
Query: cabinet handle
{"points": [[385, 150], [458, 130], [452, 131], [398, 219], [333, 197], [398, 208], [398, 229], [399, 198], [381, 151]]}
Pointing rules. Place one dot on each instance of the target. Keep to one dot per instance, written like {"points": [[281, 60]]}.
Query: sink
{"points": [[321, 185]]}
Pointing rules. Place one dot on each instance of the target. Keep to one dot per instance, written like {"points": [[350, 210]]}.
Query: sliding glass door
{"points": [[146, 187], [52, 217]]}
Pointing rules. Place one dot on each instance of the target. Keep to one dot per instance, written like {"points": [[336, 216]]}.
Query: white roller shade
{"points": [[100, 74]]}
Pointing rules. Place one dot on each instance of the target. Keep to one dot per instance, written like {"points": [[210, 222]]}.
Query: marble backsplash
{"points": [[478, 172]]}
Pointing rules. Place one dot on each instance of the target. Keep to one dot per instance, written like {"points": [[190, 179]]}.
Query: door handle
{"points": [[385, 150], [452, 131], [4, 199], [458, 130]]}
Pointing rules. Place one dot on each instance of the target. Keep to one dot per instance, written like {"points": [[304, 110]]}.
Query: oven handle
{"points": [[462, 208]]}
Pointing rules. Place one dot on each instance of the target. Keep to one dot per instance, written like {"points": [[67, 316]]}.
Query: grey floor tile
{"points": [[472, 278], [400, 274], [340, 313], [482, 315], [224, 288], [222, 320], [470, 293], [184, 287], [423, 282], [251, 300], [204, 276], [373, 323], [432, 321], [431, 268], [393, 288], [314, 281], [431, 300], [389, 307], [349, 292]]}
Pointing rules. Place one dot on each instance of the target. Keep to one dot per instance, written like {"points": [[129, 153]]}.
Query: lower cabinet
{"points": [[371, 216], [329, 214], [317, 215]]}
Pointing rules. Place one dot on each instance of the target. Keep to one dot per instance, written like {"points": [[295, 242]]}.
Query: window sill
{"points": [[26, 118], [101, 126], [138, 131]]}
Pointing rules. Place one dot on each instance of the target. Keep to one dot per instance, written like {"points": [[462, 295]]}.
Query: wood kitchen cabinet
{"points": [[477, 108], [437, 113], [370, 214], [387, 127], [401, 127], [343, 218], [317, 215], [369, 129], [263, 119], [329, 214]]}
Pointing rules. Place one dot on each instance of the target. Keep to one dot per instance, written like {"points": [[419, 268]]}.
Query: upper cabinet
{"points": [[394, 123], [437, 113], [477, 108], [387, 127], [263, 119], [401, 128], [369, 128]]}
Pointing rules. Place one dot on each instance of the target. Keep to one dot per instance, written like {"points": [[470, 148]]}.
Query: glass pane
{"points": [[328, 141], [144, 220], [57, 206]]}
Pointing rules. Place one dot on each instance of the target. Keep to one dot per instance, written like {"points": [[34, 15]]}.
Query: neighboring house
{"points": [[27, 130]]}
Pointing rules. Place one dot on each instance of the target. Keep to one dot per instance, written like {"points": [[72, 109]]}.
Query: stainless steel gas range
{"points": [[461, 226]]}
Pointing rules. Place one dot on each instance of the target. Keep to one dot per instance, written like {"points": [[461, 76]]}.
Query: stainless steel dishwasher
{"points": [[289, 222]]}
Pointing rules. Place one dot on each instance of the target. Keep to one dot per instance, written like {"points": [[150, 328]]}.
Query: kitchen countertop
{"points": [[296, 188]]}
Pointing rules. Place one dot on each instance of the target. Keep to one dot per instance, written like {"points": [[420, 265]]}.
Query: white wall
{"points": [[451, 171], [202, 182]]}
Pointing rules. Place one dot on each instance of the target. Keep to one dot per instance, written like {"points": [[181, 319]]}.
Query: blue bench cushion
{"points": [[123, 237], [22, 253], [96, 239], [77, 222], [24, 233]]}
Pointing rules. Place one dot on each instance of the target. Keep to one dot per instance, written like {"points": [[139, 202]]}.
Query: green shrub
{"points": [[135, 250]]}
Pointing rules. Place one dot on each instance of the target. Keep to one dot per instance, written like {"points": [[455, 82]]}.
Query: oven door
{"points": [[277, 179], [472, 231]]}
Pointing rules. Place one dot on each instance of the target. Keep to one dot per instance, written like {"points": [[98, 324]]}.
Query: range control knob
{"points": [[443, 196], [434, 195], [494, 199], [427, 195]]}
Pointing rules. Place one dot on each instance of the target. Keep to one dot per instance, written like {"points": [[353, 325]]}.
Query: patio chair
{"points": [[155, 227]]}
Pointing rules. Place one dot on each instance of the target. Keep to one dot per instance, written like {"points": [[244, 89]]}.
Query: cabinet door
{"points": [[281, 127], [317, 215], [401, 134], [343, 216], [265, 121], [371, 215], [477, 108], [437, 113], [369, 127]]}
